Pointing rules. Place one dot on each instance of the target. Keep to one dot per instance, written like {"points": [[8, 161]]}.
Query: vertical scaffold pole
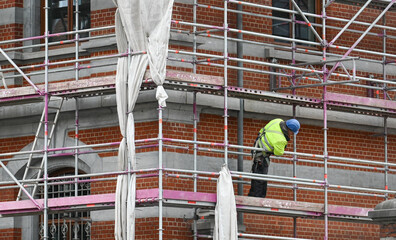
{"points": [[76, 99], [195, 36], [45, 172], [195, 94], [325, 213], [384, 37], [195, 156], [77, 66], [293, 43], [225, 82], [195, 109], [386, 167], [160, 172]]}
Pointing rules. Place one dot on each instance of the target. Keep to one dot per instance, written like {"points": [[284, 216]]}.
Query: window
{"points": [[283, 28], [61, 17], [67, 225]]}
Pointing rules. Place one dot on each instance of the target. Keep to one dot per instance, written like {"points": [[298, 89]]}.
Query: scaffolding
{"points": [[327, 69]]}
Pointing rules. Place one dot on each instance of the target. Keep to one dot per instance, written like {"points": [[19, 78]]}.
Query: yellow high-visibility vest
{"points": [[272, 139]]}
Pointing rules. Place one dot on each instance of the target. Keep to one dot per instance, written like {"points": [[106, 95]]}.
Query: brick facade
{"points": [[341, 142], [11, 3], [10, 32], [11, 234], [101, 18], [388, 231]]}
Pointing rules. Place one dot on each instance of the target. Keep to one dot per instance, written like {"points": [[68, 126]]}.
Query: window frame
{"points": [[70, 20], [311, 37]]}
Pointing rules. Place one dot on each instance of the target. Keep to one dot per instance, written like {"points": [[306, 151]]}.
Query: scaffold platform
{"points": [[205, 84], [186, 199]]}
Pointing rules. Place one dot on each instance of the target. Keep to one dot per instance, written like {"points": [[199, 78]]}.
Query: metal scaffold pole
{"points": [[293, 48], [225, 26], [45, 174], [384, 73], [325, 129], [386, 168], [240, 64], [195, 155], [160, 174], [195, 116], [77, 71]]}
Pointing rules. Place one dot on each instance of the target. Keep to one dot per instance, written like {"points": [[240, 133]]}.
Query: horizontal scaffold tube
{"points": [[207, 149], [285, 38], [309, 14], [249, 61], [289, 20], [286, 152], [288, 67], [58, 149], [299, 160], [278, 186], [56, 34], [79, 60], [140, 171], [254, 176]]}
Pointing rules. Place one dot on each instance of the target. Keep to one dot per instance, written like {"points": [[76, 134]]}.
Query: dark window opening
{"points": [[284, 28], [62, 18]]}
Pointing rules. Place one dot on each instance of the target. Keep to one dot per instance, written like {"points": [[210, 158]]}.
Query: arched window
{"points": [[67, 225], [61, 17]]}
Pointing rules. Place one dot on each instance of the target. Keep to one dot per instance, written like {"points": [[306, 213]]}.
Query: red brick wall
{"points": [[102, 187], [175, 228], [11, 3], [341, 142], [9, 32], [12, 30], [102, 230], [101, 18], [8, 145], [388, 231], [212, 16], [146, 229], [11, 234], [308, 228], [310, 140], [14, 144], [98, 136], [370, 42]]}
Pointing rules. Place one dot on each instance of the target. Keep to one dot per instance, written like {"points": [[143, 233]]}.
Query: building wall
{"points": [[106, 129], [349, 135], [14, 234]]}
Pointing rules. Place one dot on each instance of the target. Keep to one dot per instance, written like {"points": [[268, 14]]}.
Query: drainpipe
{"points": [[241, 102]]}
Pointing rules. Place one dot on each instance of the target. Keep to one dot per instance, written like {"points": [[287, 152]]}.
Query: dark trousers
{"points": [[258, 188]]}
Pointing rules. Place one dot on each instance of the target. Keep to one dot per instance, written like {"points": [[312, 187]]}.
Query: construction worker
{"points": [[272, 139]]}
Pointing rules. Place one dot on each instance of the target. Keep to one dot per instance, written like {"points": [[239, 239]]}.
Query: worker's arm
{"points": [[279, 147]]}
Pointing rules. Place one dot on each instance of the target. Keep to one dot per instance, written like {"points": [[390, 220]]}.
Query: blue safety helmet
{"points": [[293, 125]]}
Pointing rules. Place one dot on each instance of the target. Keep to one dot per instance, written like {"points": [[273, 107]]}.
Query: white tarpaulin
{"points": [[145, 25], [3, 79], [226, 227]]}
